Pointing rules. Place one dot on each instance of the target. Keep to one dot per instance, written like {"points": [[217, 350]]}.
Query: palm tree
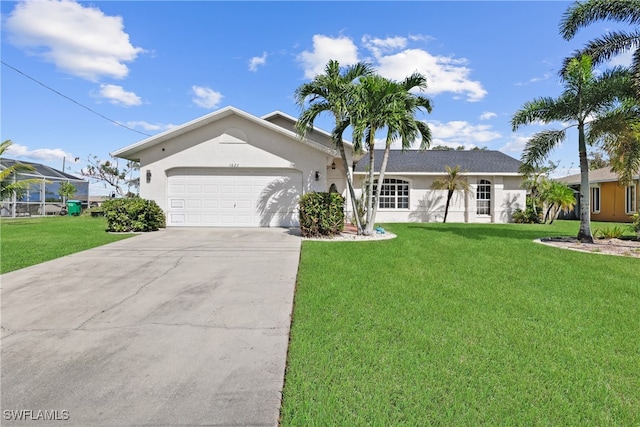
{"points": [[383, 103], [613, 43], [453, 181], [584, 98], [558, 197], [331, 92], [620, 133], [8, 185]]}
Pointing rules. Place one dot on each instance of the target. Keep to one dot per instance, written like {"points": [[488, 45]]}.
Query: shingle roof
{"points": [[434, 161], [596, 175]]}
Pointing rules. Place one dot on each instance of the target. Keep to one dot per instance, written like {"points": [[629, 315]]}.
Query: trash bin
{"points": [[74, 207]]}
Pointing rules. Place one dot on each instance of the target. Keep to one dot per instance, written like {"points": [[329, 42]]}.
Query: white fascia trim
{"points": [[130, 151], [442, 173]]}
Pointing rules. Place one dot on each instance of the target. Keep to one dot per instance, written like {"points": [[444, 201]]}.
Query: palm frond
{"points": [[544, 110], [540, 146], [580, 15]]}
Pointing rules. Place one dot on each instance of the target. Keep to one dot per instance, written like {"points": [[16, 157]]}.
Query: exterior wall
{"points": [[232, 142], [612, 202], [427, 205]]}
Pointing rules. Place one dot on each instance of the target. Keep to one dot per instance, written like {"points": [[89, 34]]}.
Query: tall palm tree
{"points": [[452, 181], [581, 14], [584, 98], [620, 133], [331, 92], [383, 103], [9, 186]]}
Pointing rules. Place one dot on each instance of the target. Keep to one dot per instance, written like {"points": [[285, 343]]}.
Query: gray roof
{"points": [[597, 175], [434, 161], [39, 170]]}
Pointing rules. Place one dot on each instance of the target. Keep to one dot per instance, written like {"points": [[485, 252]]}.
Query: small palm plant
{"points": [[8, 185], [453, 181], [558, 197]]}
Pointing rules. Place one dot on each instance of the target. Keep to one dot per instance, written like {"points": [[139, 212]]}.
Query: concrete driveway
{"points": [[176, 327]]}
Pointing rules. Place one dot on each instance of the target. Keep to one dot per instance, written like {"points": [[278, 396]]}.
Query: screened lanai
{"points": [[41, 197]]}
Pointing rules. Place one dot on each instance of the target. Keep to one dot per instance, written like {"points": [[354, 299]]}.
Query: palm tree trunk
{"points": [[446, 207], [369, 225], [383, 168], [352, 193], [584, 234]]}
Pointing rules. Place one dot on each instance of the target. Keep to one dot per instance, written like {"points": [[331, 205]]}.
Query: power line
{"points": [[72, 100]]}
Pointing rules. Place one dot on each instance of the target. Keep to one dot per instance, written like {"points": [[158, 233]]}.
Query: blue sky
{"points": [[153, 65]]}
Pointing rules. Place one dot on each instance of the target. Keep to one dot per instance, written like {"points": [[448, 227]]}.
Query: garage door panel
{"points": [[233, 198]]}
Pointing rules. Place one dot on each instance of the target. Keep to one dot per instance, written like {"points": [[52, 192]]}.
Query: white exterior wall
{"points": [[427, 205], [233, 143]]}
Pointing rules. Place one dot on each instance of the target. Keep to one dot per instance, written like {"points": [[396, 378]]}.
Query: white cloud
{"points": [[117, 95], [487, 115], [341, 49], [39, 154], [623, 60], [456, 133], [381, 46], [205, 97], [81, 41], [150, 126], [444, 74], [256, 61], [516, 144]]}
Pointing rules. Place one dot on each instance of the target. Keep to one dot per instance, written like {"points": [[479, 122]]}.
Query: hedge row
{"points": [[134, 214]]}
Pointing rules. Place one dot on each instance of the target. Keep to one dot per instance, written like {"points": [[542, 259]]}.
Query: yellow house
{"points": [[609, 200]]}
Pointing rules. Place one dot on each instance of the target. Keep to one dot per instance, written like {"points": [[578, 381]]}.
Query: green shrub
{"points": [[321, 214], [635, 224], [135, 214], [527, 216], [609, 233]]}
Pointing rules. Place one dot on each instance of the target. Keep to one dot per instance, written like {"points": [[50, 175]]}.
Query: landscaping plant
{"points": [[321, 214], [133, 215]]}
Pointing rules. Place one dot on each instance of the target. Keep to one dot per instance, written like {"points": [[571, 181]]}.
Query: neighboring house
{"points": [[406, 193], [41, 198], [231, 168], [609, 201]]}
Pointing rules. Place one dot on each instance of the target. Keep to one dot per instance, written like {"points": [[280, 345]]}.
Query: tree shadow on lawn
{"points": [[489, 231]]}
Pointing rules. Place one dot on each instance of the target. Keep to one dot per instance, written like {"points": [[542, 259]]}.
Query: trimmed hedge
{"points": [[134, 214], [321, 214]]}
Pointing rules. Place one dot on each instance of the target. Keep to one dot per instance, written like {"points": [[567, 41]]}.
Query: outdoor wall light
{"points": [[333, 165], [148, 176], [317, 175]]}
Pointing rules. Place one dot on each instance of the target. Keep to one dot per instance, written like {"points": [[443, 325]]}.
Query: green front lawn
{"points": [[29, 241], [464, 324]]}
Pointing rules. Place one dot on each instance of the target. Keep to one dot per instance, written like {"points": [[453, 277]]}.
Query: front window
{"points": [[394, 194], [483, 198], [595, 199], [630, 201]]}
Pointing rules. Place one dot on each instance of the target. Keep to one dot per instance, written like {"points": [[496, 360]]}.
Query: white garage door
{"points": [[233, 197]]}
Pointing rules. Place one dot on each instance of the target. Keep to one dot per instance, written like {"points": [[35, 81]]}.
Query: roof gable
{"points": [[132, 151], [434, 161]]}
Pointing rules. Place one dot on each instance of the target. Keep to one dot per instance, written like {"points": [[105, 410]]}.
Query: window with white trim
{"points": [[394, 194], [483, 197], [630, 202], [595, 199]]}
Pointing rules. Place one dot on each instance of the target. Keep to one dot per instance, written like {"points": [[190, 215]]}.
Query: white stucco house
{"points": [[231, 168]]}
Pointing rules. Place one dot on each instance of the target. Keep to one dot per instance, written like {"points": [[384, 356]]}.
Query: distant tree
{"points": [[120, 179], [67, 190], [440, 148], [7, 185], [597, 160], [584, 99], [452, 181]]}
